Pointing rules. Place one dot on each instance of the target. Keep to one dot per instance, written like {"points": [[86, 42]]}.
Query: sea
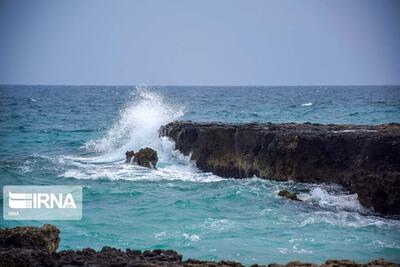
{"points": [[78, 135]]}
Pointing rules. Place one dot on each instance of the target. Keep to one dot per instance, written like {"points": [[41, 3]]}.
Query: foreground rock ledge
{"points": [[364, 159], [31, 246]]}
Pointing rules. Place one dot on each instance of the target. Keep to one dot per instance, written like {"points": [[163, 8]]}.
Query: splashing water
{"points": [[137, 126], [321, 197], [177, 206]]}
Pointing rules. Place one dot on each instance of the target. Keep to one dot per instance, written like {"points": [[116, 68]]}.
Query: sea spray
{"points": [[137, 126], [321, 197], [241, 220]]}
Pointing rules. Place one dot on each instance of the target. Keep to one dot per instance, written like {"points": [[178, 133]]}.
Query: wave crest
{"points": [[322, 198]]}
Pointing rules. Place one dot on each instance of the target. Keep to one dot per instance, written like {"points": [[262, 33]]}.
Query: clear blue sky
{"points": [[204, 42]]}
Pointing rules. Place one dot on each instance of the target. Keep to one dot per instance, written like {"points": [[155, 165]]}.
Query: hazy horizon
{"points": [[206, 85], [207, 43]]}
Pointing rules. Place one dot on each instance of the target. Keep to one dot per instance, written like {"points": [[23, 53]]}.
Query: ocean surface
{"points": [[74, 135]]}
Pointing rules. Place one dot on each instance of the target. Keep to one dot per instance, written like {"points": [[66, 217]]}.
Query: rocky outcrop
{"points": [[31, 247], [27, 246], [128, 156], [289, 195], [45, 238], [364, 159], [146, 157]]}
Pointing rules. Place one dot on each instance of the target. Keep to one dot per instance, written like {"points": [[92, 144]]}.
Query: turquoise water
{"points": [[78, 136]]}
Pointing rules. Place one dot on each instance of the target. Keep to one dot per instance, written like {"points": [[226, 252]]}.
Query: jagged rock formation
{"points": [[364, 159], [146, 157], [32, 247], [27, 246]]}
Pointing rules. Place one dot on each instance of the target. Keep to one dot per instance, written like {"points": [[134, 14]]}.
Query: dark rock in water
{"points": [[129, 155], [364, 159], [146, 157], [289, 195], [31, 247]]}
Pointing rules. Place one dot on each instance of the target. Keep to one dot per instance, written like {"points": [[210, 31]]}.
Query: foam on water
{"points": [[322, 198], [177, 206], [307, 104], [137, 126], [117, 171], [342, 218]]}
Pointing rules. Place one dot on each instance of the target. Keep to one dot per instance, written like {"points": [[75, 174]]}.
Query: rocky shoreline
{"points": [[364, 159], [32, 247]]}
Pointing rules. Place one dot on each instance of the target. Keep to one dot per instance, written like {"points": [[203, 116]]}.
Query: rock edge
{"points": [[364, 159], [32, 246]]}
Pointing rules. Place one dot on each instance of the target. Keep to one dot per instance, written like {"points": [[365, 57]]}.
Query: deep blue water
{"points": [[71, 135]]}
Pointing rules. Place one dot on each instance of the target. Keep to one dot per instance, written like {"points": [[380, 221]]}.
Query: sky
{"points": [[207, 42]]}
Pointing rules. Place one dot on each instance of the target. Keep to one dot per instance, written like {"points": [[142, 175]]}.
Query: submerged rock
{"points": [[289, 195], [146, 157], [364, 159], [32, 246], [129, 155]]}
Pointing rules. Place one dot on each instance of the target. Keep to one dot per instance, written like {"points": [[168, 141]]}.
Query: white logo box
{"points": [[42, 202]]}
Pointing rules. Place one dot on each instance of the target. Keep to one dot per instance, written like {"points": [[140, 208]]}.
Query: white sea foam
{"points": [[322, 198], [160, 235], [385, 244], [307, 104], [137, 127], [217, 225], [26, 166], [355, 130], [172, 165], [136, 173], [346, 219], [193, 238], [294, 250]]}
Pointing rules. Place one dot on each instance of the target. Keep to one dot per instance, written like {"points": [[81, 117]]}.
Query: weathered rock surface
{"points": [[364, 159], [289, 195], [45, 238], [146, 157], [32, 247], [27, 246]]}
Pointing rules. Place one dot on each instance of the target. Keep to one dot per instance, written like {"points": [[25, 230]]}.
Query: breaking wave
{"points": [[137, 126], [322, 198]]}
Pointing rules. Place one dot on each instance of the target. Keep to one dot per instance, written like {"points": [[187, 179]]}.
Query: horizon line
{"points": [[189, 85]]}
